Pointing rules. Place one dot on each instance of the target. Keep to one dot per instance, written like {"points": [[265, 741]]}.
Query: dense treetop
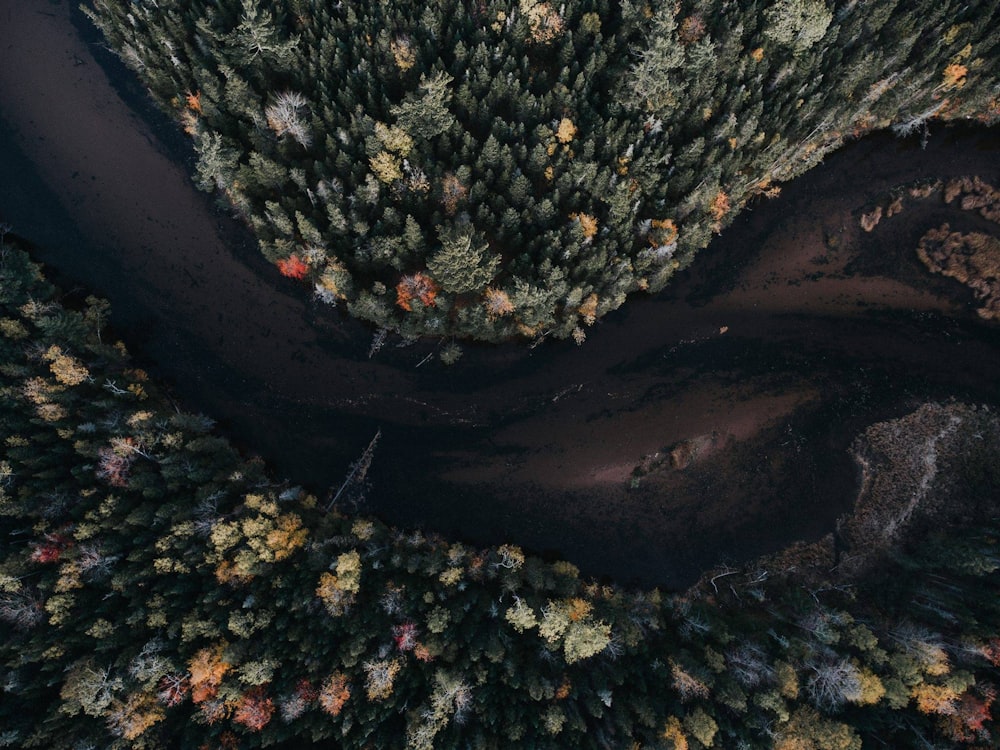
{"points": [[499, 168], [159, 591]]}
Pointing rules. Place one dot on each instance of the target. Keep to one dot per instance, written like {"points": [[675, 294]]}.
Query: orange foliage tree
{"points": [[418, 286], [720, 205], [588, 309], [334, 694], [588, 224], [207, 668], [254, 709], [497, 303], [662, 232], [453, 192], [954, 76]]}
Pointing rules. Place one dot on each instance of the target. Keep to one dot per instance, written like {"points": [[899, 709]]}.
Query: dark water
{"points": [[536, 445]]}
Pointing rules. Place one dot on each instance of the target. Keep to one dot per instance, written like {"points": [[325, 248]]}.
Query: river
{"points": [[790, 333]]}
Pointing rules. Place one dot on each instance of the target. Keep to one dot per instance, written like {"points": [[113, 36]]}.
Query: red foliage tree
{"points": [[254, 709], [113, 466], [50, 550], [173, 688], [418, 286], [306, 690], [293, 267], [405, 636], [991, 651], [46, 553], [293, 705], [968, 723]]}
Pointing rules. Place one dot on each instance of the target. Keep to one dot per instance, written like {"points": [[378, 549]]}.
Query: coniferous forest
{"points": [[159, 591], [486, 170], [494, 169]]}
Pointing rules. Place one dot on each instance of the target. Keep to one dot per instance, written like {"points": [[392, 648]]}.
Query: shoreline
{"points": [[531, 432]]}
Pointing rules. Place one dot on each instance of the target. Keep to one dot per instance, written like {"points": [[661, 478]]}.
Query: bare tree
{"points": [[21, 609], [286, 116], [355, 485], [833, 684]]}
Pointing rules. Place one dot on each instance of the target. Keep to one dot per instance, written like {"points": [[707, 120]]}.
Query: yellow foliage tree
{"points": [[808, 730], [674, 733], [67, 370], [521, 616], [207, 667], [566, 131], [338, 591], [403, 53], [386, 167], [701, 726], [380, 677], [394, 139], [543, 21]]}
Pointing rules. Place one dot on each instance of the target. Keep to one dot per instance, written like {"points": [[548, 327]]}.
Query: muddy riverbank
{"points": [[793, 331]]}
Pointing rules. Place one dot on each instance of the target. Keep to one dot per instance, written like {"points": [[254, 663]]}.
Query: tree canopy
{"points": [[159, 590], [363, 139]]}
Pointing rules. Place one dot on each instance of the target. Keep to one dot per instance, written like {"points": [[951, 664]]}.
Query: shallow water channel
{"points": [[791, 333]]}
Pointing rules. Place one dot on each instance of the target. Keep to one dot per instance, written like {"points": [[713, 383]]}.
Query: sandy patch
{"points": [[560, 450]]}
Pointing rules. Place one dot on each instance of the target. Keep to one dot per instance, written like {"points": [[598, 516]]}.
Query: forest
{"points": [[500, 169], [489, 170], [159, 590]]}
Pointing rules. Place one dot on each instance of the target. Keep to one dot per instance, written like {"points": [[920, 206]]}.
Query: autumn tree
{"points": [[334, 693], [293, 267], [416, 287], [286, 115], [207, 668], [254, 709]]}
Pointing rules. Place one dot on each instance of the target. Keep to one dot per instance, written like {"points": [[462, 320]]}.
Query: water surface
{"points": [[791, 333]]}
